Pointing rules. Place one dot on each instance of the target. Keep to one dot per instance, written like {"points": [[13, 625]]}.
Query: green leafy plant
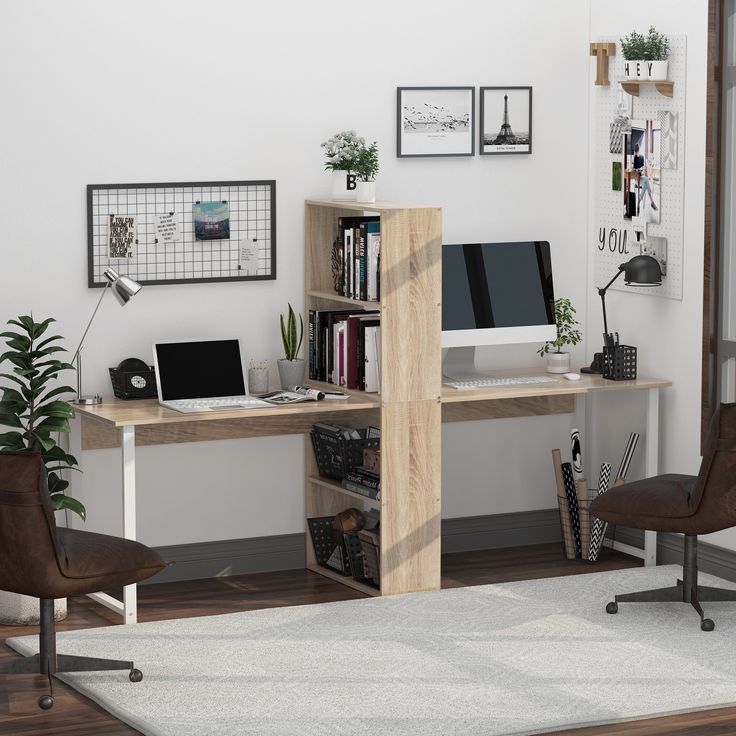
{"points": [[32, 409], [292, 341], [341, 151], [657, 46], [366, 164], [567, 332], [633, 46]]}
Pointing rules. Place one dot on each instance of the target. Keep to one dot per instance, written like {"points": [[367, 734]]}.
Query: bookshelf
{"points": [[408, 409]]}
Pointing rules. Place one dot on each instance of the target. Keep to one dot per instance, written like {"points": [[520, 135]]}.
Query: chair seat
{"points": [[658, 504]]}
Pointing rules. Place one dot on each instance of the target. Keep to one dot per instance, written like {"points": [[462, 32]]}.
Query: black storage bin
{"points": [[619, 363], [325, 540], [364, 560], [336, 455], [126, 384]]}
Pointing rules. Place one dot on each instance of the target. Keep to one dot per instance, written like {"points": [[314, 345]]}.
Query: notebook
{"points": [[202, 375]]}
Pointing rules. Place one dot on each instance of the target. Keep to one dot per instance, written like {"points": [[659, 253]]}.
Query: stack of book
{"points": [[345, 348], [363, 481], [357, 256]]}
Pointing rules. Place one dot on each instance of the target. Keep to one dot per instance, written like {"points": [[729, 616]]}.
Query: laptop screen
{"points": [[201, 369]]}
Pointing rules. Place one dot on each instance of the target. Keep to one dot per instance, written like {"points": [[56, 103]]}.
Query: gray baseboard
{"points": [[467, 534]]}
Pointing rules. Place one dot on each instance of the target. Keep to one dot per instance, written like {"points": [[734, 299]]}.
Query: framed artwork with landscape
{"points": [[435, 121], [505, 120]]}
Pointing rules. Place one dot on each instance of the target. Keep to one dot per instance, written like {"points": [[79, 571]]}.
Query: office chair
{"points": [[690, 505], [41, 560]]}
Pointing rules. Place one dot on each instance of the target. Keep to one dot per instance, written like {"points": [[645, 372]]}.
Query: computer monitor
{"points": [[494, 294]]}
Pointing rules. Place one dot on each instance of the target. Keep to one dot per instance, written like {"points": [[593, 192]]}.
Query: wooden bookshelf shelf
{"points": [[337, 488], [408, 410], [325, 386], [664, 87], [332, 296], [344, 579]]}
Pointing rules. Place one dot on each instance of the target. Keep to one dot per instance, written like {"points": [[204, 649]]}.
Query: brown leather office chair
{"points": [[41, 560], [687, 504]]}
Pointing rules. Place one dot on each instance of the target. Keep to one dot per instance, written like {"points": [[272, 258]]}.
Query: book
{"points": [[293, 397], [350, 232], [371, 381], [373, 246]]}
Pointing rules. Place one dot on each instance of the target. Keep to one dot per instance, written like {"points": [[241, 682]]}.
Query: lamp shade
{"points": [[642, 271], [123, 287]]}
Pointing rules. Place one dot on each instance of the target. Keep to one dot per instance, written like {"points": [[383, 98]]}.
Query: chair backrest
{"points": [[714, 494], [29, 549]]}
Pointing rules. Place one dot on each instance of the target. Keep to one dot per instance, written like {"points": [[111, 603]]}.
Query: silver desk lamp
{"points": [[124, 289]]}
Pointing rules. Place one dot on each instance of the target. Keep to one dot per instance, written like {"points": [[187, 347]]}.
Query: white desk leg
{"points": [[130, 592], [651, 460], [584, 422]]}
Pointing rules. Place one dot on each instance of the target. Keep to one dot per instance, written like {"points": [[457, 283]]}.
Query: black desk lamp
{"points": [[639, 271]]}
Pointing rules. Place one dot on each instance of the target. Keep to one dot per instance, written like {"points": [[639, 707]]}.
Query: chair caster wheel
{"points": [[707, 624], [135, 675], [612, 607], [45, 702]]}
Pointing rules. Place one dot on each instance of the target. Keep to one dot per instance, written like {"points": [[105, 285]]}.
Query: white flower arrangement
{"points": [[342, 150]]}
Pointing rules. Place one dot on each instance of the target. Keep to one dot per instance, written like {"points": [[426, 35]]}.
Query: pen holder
{"points": [[619, 363], [258, 380]]}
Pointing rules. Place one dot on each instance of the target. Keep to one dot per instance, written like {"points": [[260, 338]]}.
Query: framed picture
{"points": [[505, 120], [435, 121]]}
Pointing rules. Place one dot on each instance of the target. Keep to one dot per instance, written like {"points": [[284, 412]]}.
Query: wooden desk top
{"points": [[122, 413], [589, 382]]}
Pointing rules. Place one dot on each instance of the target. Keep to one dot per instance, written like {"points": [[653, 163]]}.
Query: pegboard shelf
{"points": [[663, 86]]}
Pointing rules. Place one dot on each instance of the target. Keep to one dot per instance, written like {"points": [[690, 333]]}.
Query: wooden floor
{"points": [[74, 715]]}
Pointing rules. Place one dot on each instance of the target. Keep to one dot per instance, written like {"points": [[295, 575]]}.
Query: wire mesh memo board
{"points": [[179, 233]]}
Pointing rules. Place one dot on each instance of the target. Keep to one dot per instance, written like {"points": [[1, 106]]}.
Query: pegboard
{"points": [[609, 207], [165, 248]]}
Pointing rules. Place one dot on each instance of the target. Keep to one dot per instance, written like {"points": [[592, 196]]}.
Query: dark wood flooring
{"points": [[74, 715]]}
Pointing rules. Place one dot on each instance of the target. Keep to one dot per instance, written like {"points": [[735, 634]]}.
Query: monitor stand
{"points": [[459, 365]]}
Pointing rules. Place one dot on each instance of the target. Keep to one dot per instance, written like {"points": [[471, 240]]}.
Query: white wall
{"points": [[668, 333], [104, 92]]}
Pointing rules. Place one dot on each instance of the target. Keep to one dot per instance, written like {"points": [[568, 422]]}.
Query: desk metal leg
{"points": [[651, 460], [130, 592]]}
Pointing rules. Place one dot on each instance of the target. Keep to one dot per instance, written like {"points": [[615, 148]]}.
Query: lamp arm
{"points": [[602, 294], [89, 324]]}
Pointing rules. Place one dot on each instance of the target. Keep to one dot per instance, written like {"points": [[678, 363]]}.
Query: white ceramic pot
{"points": [[658, 69], [636, 69], [558, 362], [291, 372], [366, 191], [24, 610], [343, 185]]}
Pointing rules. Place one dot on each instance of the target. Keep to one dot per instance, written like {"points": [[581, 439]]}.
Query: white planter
{"points": [[23, 610], [366, 191], [558, 362], [343, 185], [291, 372], [636, 69], [658, 70]]}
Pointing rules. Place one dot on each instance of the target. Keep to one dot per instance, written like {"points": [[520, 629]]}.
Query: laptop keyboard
{"points": [[231, 402]]}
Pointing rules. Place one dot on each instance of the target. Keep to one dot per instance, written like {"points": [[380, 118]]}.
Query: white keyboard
{"points": [[492, 382], [222, 404]]}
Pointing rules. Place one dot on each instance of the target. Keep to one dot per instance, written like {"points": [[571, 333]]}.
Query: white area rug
{"points": [[514, 658]]}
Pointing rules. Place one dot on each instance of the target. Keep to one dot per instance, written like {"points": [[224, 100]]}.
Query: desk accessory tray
{"points": [[134, 384]]}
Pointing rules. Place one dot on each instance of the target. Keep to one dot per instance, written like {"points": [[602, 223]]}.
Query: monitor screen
{"points": [[199, 369], [492, 286]]}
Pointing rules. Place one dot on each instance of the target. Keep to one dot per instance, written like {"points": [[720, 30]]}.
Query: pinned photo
{"points": [[211, 220]]}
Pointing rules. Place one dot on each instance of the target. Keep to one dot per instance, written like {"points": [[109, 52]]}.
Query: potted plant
{"points": [[656, 51], [366, 168], [341, 152], [291, 368], [567, 334], [32, 411], [633, 47]]}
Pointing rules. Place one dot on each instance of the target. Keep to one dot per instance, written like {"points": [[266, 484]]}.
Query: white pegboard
{"points": [[609, 208], [187, 259]]}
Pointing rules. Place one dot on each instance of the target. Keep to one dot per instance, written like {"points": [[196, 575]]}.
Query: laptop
{"points": [[202, 375]]}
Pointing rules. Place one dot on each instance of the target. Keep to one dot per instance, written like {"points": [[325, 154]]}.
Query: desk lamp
{"points": [[639, 271], [124, 289]]}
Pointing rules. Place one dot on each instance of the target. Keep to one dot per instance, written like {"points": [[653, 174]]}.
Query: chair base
{"points": [[51, 664], [686, 590]]}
